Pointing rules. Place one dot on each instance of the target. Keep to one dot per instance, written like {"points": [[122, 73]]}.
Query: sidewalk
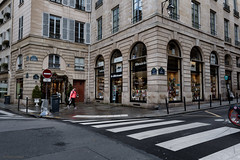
{"points": [[97, 110]]}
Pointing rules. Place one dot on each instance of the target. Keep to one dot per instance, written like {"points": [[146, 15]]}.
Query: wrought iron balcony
{"points": [[79, 40], [226, 7], [196, 25], [137, 18], [227, 39], [174, 16], [213, 32], [98, 4], [236, 13], [54, 35]]}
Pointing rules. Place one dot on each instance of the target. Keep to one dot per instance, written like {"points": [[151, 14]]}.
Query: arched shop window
{"points": [[138, 73], [174, 73], [99, 77], [214, 75], [116, 77], [196, 74]]}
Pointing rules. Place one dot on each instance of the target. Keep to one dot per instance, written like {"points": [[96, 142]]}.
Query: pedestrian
{"points": [[72, 97]]}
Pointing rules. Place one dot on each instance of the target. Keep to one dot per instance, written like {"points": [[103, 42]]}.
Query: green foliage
{"points": [[4, 65], [36, 93]]}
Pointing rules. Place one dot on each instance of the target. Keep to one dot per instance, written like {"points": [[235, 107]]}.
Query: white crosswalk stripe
{"points": [[140, 126], [158, 132], [194, 139], [231, 153], [124, 123], [11, 116], [112, 121]]}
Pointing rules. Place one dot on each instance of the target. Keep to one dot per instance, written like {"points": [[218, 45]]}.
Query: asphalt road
{"points": [[204, 135], [25, 138]]}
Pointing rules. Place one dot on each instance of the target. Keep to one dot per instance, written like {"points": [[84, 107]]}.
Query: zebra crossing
{"points": [[147, 130], [4, 115]]}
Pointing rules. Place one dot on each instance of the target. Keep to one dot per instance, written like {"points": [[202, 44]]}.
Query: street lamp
{"points": [[170, 7]]}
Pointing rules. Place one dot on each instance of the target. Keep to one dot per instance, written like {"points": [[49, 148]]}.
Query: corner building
{"points": [[142, 54], [49, 35]]}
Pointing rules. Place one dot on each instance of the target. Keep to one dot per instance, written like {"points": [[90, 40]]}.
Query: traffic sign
{"points": [[46, 79], [47, 73]]}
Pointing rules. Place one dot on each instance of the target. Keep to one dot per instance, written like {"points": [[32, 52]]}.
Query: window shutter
{"points": [[87, 33], [88, 5], [71, 30], [72, 3], [65, 29], [65, 2], [45, 24]]}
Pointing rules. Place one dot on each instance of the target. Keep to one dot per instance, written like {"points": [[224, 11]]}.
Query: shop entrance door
{"points": [[116, 90], [79, 85]]}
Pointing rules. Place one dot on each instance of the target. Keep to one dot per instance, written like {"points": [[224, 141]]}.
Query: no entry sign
{"points": [[47, 73]]}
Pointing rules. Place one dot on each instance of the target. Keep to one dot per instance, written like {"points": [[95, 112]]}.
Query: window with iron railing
{"points": [[54, 28], [174, 14], [226, 7], [115, 13], [226, 31], [80, 5], [99, 33], [213, 22], [236, 13], [137, 11], [54, 61], [98, 4], [79, 32], [195, 15]]}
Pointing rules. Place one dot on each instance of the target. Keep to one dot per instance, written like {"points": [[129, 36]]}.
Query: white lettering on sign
{"points": [[140, 64], [47, 73]]}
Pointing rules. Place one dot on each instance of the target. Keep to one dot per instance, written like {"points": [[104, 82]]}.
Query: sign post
{"points": [[47, 74]]}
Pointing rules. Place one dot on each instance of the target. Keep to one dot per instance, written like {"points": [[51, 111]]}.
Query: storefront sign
{"points": [[100, 64], [116, 75], [35, 76], [154, 71], [140, 64], [33, 58], [161, 71], [46, 79], [118, 59]]}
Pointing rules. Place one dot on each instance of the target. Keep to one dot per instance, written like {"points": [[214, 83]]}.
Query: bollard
{"points": [[167, 105], [27, 105], [210, 101], [199, 102], [18, 102], [220, 97], [184, 100]]}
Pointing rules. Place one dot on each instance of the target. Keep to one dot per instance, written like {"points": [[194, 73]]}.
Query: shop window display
{"points": [[138, 65], [99, 76], [196, 74], [174, 73], [214, 75]]}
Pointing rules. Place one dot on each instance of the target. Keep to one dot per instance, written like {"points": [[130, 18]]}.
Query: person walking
{"points": [[72, 97]]}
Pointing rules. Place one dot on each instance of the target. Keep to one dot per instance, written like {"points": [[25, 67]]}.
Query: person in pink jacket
{"points": [[72, 97]]}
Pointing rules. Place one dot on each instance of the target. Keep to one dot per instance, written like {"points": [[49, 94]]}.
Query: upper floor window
{"points": [[57, 1], [54, 61], [99, 22], [226, 31], [21, 2], [19, 62], [235, 10], [98, 4], [137, 11], [226, 7], [79, 63], [195, 15], [174, 15], [236, 33], [54, 29], [20, 28], [115, 12], [80, 5], [79, 32], [213, 22]]}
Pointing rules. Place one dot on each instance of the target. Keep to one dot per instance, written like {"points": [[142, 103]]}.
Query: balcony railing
{"points": [[226, 7], [236, 13], [115, 29], [196, 25], [237, 43], [137, 18], [80, 7], [54, 35], [79, 40], [174, 16], [213, 32], [99, 37], [98, 4], [227, 39]]}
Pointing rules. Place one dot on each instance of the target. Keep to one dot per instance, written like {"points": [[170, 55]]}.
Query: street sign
{"points": [[47, 73], [46, 79]]}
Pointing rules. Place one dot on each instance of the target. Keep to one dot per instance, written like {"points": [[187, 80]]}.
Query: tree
{"points": [[36, 93]]}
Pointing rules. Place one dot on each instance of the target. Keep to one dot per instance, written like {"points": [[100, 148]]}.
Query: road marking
{"points": [[194, 139], [125, 123], [162, 131], [101, 116], [29, 110], [72, 121], [219, 120], [14, 118], [231, 153], [213, 114], [129, 128], [102, 122]]}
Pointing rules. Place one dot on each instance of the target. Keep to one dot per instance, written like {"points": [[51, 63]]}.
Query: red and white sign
{"points": [[47, 73]]}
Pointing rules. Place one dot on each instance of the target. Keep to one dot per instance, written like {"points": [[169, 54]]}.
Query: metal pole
{"points": [[237, 97], [18, 102], [210, 101], [198, 102], [26, 104], [167, 105], [184, 100], [46, 89], [220, 97]]}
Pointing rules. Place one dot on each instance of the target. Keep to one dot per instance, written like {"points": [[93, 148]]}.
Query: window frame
{"points": [[213, 22], [54, 64], [137, 7], [99, 28], [226, 28], [80, 65], [115, 20], [195, 16], [20, 28], [236, 33], [79, 32], [19, 62], [55, 34]]}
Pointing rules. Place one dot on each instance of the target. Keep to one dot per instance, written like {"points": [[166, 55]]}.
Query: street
{"points": [[204, 135]]}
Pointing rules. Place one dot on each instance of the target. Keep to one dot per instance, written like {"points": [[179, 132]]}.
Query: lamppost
{"points": [[170, 7]]}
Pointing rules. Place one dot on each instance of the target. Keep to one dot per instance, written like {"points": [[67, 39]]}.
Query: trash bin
{"points": [[6, 99], [55, 103]]}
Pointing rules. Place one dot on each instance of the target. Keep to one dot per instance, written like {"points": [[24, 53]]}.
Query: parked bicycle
{"points": [[234, 115]]}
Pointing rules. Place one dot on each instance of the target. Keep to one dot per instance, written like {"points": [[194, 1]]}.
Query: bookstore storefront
{"points": [[99, 78]]}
